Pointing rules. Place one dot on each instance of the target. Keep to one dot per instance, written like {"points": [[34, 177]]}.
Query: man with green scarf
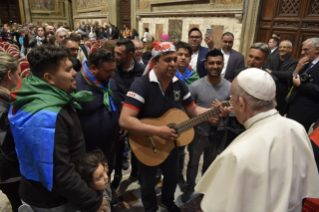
{"points": [[100, 118], [48, 135]]}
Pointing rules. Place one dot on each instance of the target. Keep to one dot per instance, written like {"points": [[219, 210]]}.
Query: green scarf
{"points": [[32, 94]]}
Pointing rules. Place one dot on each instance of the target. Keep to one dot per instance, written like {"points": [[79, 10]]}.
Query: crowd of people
{"points": [[67, 124]]}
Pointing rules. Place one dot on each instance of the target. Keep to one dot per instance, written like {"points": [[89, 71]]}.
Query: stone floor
{"points": [[131, 195]]}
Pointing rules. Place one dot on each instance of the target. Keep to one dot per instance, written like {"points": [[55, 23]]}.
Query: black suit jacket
{"points": [[283, 76], [108, 33], [274, 53], [305, 102], [235, 61]]}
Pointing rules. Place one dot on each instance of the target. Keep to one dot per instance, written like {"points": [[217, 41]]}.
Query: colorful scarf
{"points": [[106, 91], [35, 105], [189, 76]]}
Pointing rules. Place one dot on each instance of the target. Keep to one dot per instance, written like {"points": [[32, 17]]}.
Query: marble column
{"points": [[21, 11], [249, 26], [26, 11], [67, 12], [134, 24]]}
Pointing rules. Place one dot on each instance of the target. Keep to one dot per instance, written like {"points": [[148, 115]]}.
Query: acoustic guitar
{"points": [[153, 150]]}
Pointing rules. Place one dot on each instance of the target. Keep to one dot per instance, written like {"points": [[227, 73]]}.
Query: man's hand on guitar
{"points": [[167, 133], [214, 120], [224, 111]]}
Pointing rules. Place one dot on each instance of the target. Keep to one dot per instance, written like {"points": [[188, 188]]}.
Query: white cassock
{"points": [[269, 167]]}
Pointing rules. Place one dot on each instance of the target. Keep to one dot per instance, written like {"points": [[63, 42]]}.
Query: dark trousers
{"points": [[148, 181], [182, 154], [120, 147], [211, 146], [9, 170], [199, 145]]}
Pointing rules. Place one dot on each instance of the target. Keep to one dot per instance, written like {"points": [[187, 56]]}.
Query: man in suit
{"points": [[273, 44], [257, 57], [199, 52], [282, 68], [304, 99], [232, 59], [110, 32]]}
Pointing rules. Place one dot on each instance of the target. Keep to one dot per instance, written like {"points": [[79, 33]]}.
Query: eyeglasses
{"points": [[284, 47], [138, 49], [305, 50], [194, 37], [73, 49]]}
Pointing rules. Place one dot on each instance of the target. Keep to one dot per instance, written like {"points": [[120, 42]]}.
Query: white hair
{"points": [[314, 41], [287, 41], [61, 30], [253, 103]]}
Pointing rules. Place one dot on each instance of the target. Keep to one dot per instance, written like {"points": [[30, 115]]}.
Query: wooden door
{"points": [[126, 13], [10, 10], [295, 20]]}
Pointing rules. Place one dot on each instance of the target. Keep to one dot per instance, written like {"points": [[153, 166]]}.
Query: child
{"points": [[93, 169]]}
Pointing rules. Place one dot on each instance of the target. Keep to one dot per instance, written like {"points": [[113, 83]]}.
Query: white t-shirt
{"points": [[226, 59], [194, 59]]}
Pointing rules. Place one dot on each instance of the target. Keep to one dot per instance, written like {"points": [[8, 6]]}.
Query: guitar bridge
{"points": [[151, 143]]}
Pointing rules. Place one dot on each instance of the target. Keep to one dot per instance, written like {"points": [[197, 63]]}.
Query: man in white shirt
{"points": [[198, 57], [270, 166], [232, 59], [273, 44]]}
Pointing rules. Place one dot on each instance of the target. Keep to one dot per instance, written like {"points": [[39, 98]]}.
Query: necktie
{"points": [[309, 67]]}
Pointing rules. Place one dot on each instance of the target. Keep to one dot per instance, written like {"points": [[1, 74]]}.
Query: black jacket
{"points": [[29, 44], [283, 76], [67, 184], [124, 79], [5, 36], [100, 127], [305, 98], [9, 165]]}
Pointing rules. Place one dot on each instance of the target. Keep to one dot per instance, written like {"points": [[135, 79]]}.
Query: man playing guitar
{"points": [[151, 96]]}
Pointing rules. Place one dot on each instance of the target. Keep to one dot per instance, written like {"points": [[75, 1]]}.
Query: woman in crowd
{"points": [[146, 35], [147, 51], [9, 167], [6, 34], [47, 36], [135, 35]]}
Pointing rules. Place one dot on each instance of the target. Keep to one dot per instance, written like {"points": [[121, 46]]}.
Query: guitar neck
{"points": [[181, 127]]}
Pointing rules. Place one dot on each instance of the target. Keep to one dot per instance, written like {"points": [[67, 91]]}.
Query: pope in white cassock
{"points": [[270, 166]]}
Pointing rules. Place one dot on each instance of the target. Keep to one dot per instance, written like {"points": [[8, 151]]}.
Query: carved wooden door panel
{"points": [[9, 10], [126, 13], [295, 20]]}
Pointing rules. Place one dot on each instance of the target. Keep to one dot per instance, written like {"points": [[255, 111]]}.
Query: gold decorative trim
{"points": [[21, 7], [45, 10]]}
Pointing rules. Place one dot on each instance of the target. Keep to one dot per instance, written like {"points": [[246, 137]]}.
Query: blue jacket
{"points": [[100, 127], [200, 68]]}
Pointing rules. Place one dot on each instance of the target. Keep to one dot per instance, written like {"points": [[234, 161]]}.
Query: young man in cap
{"points": [[270, 166]]}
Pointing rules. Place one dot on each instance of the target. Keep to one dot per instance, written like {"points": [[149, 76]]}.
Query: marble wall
{"points": [[226, 24], [90, 12], [52, 12]]}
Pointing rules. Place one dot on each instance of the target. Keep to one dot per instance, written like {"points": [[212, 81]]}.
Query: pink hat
{"points": [[165, 37]]}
